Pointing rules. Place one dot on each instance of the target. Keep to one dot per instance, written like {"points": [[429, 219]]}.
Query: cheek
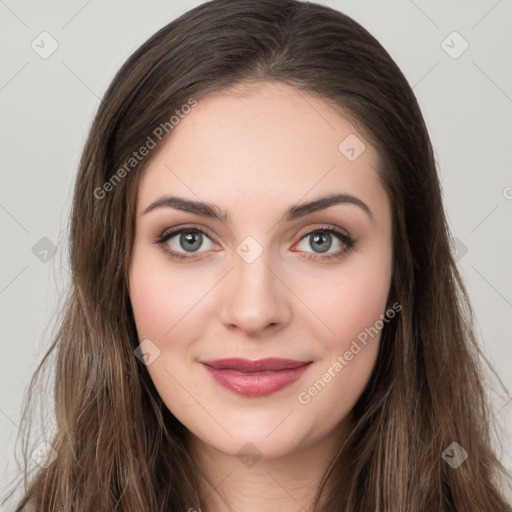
{"points": [[150, 302], [349, 302], [353, 306], [161, 296]]}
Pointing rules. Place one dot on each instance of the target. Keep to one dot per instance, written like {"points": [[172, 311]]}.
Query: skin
{"points": [[255, 151]]}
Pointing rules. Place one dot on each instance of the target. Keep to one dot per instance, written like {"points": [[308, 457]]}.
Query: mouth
{"points": [[255, 378]]}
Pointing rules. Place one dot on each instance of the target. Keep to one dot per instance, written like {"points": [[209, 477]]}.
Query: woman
{"points": [[264, 311]]}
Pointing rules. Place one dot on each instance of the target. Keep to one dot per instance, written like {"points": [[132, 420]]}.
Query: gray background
{"points": [[47, 105]]}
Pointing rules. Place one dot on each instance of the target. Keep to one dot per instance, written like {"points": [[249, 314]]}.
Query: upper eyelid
{"points": [[172, 232]]}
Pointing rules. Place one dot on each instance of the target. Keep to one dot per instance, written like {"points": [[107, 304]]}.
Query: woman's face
{"points": [[257, 284]]}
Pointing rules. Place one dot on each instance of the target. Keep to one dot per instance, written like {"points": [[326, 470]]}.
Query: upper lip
{"points": [[260, 365]]}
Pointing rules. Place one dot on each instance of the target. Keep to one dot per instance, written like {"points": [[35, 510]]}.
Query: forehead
{"points": [[263, 143]]}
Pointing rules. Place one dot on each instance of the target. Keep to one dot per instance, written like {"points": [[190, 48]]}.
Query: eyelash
{"points": [[347, 241]]}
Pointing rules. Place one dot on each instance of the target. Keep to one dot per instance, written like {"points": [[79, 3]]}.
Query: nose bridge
{"points": [[255, 297]]}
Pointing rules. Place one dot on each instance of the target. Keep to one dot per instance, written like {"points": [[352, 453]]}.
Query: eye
{"points": [[181, 243], [321, 240], [185, 242]]}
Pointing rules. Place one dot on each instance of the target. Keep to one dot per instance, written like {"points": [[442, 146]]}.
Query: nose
{"points": [[255, 299]]}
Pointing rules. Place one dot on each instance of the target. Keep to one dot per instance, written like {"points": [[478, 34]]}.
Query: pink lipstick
{"points": [[255, 378]]}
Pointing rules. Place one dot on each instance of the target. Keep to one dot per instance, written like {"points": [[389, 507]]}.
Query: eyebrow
{"points": [[294, 212]]}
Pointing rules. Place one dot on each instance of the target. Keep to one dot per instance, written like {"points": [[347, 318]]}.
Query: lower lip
{"points": [[254, 384]]}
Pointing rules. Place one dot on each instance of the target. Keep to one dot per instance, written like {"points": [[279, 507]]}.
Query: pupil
{"points": [[191, 241], [324, 239]]}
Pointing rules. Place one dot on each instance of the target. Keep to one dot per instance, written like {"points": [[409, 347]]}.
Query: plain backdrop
{"points": [[456, 55]]}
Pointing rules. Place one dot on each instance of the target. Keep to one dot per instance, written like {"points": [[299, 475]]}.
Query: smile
{"points": [[256, 378]]}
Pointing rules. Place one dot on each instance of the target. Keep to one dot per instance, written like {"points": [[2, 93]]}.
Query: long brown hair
{"points": [[116, 446]]}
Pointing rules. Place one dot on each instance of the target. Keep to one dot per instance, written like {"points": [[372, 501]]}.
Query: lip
{"points": [[256, 378]]}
